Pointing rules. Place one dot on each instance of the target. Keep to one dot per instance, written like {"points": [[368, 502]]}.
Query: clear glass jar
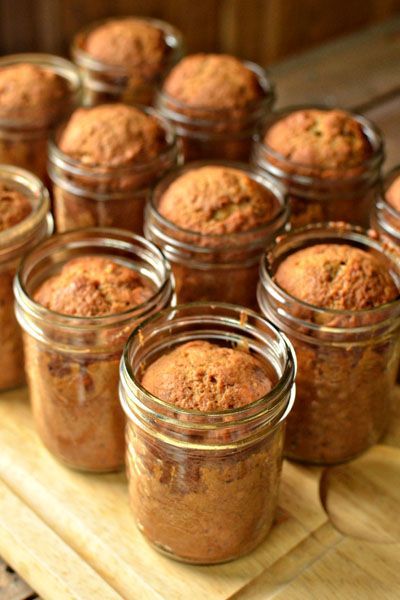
{"points": [[23, 142], [318, 194], [72, 362], [204, 485], [220, 133], [105, 83], [210, 266], [14, 243], [385, 218], [87, 196], [347, 360]]}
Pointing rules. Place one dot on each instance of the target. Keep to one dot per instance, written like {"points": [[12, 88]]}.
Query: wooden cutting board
{"points": [[72, 535]]}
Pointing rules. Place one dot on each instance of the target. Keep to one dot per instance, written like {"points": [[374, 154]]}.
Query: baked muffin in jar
{"points": [[329, 160], [206, 390], [78, 297], [103, 162], [24, 222], [125, 59], [386, 214], [213, 221], [37, 92], [334, 289], [215, 102]]}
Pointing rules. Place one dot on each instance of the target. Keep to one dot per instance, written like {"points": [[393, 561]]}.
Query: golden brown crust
{"points": [[337, 276], [393, 194], [93, 286], [128, 43], [14, 207], [203, 376], [213, 81], [328, 139], [32, 93], [112, 135], [217, 200]]}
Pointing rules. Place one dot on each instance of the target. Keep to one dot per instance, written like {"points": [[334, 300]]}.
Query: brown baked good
{"points": [[217, 200], [205, 506], [215, 101], [203, 376], [345, 380], [130, 42], [75, 398], [329, 160], [393, 194], [14, 208], [213, 81], [336, 276]]}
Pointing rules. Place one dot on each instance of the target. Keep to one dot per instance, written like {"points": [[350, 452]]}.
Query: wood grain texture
{"points": [[259, 30]]}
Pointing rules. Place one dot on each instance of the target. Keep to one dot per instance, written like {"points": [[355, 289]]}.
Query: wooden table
{"points": [[320, 547]]}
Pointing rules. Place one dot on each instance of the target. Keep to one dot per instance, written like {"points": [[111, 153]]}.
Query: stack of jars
{"points": [[211, 257]]}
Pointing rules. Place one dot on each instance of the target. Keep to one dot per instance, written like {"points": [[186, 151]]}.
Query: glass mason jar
{"points": [[319, 194], [204, 485], [87, 196], [104, 83], [347, 360], [219, 133], [210, 266], [14, 243], [72, 362], [385, 218], [23, 141]]}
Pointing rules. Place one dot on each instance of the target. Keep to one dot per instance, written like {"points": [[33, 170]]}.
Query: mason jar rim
{"points": [[264, 404], [255, 106], [371, 131], [173, 38], [61, 66], [277, 189], [76, 167], [80, 238], [351, 233], [17, 235]]}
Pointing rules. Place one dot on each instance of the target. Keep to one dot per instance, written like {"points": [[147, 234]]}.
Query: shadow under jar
{"points": [[106, 195], [347, 359], [216, 132], [14, 243], [135, 78], [37, 92], [204, 485], [215, 267], [318, 193], [385, 217], [72, 361]]}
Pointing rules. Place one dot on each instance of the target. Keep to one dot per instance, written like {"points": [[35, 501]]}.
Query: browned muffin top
{"points": [[329, 139], [127, 42], [214, 81], [337, 276], [217, 200], [93, 286], [14, 207], [112, 135], [393, 194], [32, 93], [203, 376]]}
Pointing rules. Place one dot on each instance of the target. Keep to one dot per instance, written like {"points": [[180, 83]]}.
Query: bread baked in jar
{"points": [[386, 214], [334, 290], [78, 298], [329, 159], [103, 162], [124, 59], [217, 381], [213, 220], [215, 102]]}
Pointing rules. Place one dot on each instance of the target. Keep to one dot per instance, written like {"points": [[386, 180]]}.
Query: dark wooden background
{"points": [[260, 30]]}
